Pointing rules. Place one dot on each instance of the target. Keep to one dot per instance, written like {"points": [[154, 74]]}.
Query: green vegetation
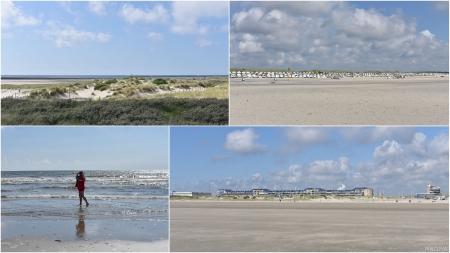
{"points": [[162, 111], [133, 87], [110, 81], [159, 81]]}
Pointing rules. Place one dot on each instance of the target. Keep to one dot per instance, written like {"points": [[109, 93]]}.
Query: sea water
{"points": [[136, 195]]}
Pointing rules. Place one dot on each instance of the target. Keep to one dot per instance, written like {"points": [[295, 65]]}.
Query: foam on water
{"points": [[121, 195]]}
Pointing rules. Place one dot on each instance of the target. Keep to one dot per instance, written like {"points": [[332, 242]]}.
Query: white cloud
{"points": [[97, 7], [14, 16], [187, 16], [45, 161], [369, 24], [395, 166], [249, 44], [244, 142], [389, 148], [307, 135], [331, 35], [309, 8], [133, 15], [298, 137], [439, 147], [320, 173], [67, 36], [155, 36]]}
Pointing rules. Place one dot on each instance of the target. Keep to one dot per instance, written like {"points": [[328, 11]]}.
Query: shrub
{"points": [[164, 111], [101, 86], [159, 81], [110, 81]]}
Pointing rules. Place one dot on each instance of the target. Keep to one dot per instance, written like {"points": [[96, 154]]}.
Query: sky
{"points": [[84, 148], [114, 38], [387, 159], [359, 36]]}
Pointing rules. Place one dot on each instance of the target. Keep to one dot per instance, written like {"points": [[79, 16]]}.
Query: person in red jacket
{"points": [[80, 185]]}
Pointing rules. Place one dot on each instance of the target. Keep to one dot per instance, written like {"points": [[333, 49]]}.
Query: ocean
{"points": [[136, 195], [5, 77]]}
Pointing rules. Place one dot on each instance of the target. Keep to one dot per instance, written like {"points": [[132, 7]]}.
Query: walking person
{"points": [[80, 185]]}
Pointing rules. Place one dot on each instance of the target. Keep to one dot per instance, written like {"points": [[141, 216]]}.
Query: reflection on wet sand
{"points": [[80, 227]]}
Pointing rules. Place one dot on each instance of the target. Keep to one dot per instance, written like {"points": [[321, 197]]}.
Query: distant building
{"points": [[432, 190], [190, 194], [358, 191]]}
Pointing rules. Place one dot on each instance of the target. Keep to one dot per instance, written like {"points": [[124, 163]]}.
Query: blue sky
{"points": [[369, 35], [87, 148], [114, 38], [391, 159]]}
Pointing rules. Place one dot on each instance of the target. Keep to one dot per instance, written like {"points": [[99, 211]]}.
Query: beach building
{"points": [[190, 194], [358, 191], [432, 190]]}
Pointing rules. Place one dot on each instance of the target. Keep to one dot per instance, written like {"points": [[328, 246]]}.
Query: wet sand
{"points": [[348, 101], [61, 234], [43, 81], [308, 226]]}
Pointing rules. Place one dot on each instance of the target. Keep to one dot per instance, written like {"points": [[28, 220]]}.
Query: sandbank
{"points": [[43, 81], [307, 226], [347, 101]]}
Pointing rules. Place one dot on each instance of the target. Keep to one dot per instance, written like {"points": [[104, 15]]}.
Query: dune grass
{"points": [[134, 87], [163, 111], [219, 91]]}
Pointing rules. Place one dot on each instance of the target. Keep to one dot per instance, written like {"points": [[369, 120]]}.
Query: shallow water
{"points": [[119, 195]]}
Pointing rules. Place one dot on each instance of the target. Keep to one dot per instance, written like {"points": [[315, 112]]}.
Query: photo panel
{"points": [[339, 63], [297, 189], [98, 189], [115, 63]]}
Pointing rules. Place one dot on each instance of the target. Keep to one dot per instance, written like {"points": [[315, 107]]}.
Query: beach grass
{"points": [[219, 91], [134, 87]]}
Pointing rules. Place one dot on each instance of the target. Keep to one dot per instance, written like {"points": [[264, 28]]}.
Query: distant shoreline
{"points": [[21, 77], [315, 199]]}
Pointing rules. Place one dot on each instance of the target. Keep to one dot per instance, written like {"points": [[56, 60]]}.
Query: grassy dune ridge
{"points": [[133, 87]]}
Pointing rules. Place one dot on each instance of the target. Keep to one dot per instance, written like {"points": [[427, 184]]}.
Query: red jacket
{"points": [[80, 183]]}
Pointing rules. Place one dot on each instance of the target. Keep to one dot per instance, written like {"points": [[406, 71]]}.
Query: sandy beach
{"points": [[308, 226], [50, 234], [348, 101]]}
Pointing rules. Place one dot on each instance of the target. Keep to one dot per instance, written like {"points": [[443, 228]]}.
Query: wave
{"points": [[150, 181], [70, 196]]}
